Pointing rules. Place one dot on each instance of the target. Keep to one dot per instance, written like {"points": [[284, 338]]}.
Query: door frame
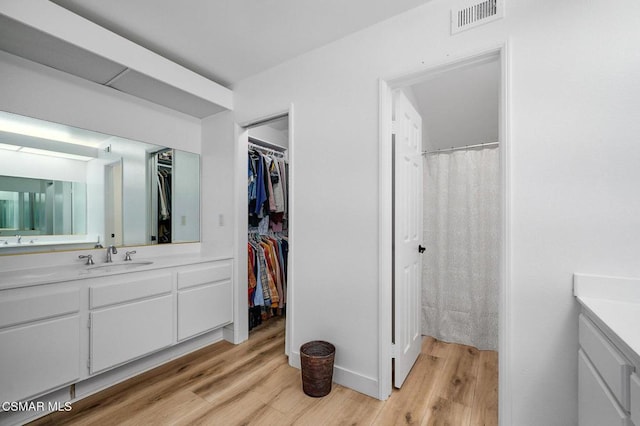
{"points": [[385, 225], [114, 213], [242, 227]]}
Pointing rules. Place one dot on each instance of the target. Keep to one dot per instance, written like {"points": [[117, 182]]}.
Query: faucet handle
{"points": [[89, 258], [127, 255]]}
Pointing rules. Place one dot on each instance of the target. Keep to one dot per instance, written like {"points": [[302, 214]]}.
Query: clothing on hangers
{"points": [[164, 193], [267, 287], [267, 246], [267, 191]]}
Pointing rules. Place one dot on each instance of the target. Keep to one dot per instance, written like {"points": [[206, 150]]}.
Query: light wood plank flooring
{"points": [[252, 384]]}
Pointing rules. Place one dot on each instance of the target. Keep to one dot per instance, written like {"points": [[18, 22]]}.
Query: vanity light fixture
{"points": [[40, 151], [29, 135], [27, 126], [52, 148], [8, 147], [55, 154]]}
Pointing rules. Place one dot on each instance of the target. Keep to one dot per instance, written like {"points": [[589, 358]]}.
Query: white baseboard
{"points": [[345, 377]]}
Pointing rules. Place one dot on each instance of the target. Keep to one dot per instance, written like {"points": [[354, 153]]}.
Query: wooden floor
{"points": [[252, 384]]}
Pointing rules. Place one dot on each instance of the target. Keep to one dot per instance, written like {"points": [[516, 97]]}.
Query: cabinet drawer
{"points": [[596, 405], [204, 308], [126, 332], [21, 306], [635, 398], [612, 366], [130, 289], [39, 357], [202, 275]]}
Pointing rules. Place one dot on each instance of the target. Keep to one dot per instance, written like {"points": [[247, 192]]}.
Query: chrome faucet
{"points": [[88, 257], [111, 249], [19, 237], [127, 255]]}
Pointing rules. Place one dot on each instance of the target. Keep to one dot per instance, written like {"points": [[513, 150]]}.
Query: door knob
{"points": [[421, 249]]}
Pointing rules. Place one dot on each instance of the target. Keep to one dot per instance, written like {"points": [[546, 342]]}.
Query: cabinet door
{"points": [[596, 404], [635, 398], [607, 359], [39, 357], [123, 333], [204, 308]]}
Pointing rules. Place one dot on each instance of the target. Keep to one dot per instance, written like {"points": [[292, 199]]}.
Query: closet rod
{"points": [[266, 144], [437, 151], [266, 150]]}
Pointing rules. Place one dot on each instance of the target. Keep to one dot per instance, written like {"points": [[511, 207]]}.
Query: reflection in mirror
{"points": [[42, 207], [63, 187]]}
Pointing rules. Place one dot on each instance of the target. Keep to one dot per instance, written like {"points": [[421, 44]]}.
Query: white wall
{"points": [[221, 193], [218, 150], [573, 176]]}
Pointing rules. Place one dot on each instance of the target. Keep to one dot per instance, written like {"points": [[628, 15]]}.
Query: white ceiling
{"points": [[229, 40]]}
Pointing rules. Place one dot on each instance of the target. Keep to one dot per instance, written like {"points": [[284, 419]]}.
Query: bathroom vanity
{"points": [[609, 353], [67, 331]]}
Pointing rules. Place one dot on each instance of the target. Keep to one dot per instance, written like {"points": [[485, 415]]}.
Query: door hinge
{"points": [[394, 351], [394, 127]]}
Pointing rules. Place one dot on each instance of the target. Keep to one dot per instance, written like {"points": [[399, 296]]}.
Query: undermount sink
{"points": [[115, 267]]}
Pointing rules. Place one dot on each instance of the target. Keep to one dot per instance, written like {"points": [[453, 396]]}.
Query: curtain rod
{"points": [[460, 147]]}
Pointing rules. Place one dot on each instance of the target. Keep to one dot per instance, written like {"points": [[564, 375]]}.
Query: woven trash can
{"points": [[316, 360]]}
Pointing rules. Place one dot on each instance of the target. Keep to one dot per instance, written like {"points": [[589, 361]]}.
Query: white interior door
{"points": [[407, 128]]}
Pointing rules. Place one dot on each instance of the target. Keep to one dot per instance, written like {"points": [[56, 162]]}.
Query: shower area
{"points": [[461, 203], [462, 234]]}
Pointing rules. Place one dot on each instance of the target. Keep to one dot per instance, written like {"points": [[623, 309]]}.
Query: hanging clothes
{"points": [[267, 246], [163, 176], [267, 191], [164, 193], [267, 281]]}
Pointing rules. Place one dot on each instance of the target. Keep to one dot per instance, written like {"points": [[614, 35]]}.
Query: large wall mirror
{"points": [[66, 188]]}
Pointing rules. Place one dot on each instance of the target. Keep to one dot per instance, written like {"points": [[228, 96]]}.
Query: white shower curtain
{"points": [[461, 234]]}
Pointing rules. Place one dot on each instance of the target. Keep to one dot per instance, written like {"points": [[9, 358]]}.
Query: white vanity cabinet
{"points": [[95, 328], [130, 316], [604, 379], [39, 340], [205, 299]]}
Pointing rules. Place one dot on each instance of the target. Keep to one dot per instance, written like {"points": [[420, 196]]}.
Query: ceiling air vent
{"points": [[471, 14]]}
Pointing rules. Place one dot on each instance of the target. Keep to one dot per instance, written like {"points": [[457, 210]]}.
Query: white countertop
{"points": [[26, 277], [615, 301]]}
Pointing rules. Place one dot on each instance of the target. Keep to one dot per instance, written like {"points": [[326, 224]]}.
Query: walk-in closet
{"points": [[268, 221], [162, 165]]}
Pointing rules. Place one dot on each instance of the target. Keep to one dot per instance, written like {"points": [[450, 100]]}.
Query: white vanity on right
{"points": [[609, 352]]}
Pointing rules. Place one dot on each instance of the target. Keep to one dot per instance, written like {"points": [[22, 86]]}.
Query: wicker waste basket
{"points": [[316, 359]]}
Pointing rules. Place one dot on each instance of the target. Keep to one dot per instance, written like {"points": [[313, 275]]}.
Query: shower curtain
{"points": [[461, 234]]}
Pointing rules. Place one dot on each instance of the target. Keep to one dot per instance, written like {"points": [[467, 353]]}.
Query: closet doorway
{"points": [[268, 223], [461, 206]]}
